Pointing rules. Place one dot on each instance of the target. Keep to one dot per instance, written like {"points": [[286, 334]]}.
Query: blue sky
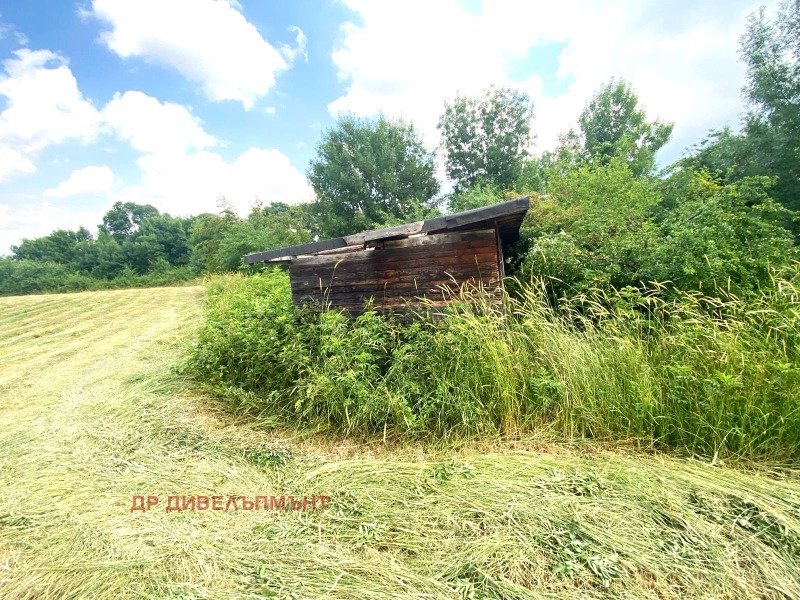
{"points": [[179, 102]]}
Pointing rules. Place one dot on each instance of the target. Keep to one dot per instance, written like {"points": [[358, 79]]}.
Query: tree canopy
{"points": [[370, 173], [612, 124], [486, 139]]}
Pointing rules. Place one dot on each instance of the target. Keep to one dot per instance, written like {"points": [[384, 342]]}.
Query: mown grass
{"points": [[92, 412]]}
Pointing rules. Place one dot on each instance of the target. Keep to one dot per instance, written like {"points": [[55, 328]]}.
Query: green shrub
{"points": [[20, 277], [710, 375]]}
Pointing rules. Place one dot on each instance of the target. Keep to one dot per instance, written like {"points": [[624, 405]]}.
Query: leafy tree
{"points": [[613, 125], [593, 229], [771, 52], [142, 252], [108, 257], [170, 233], [370, 173], [486, 139], [61, 246], [266, 227], [204, 238], [534, 175], [728, 236], [481, 194], [123, 219], [769, 144]]}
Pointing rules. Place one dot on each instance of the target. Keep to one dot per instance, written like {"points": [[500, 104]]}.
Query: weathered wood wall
{"points": [[397, 272]]}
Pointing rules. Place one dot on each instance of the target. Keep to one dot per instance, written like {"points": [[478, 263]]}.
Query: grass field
{"points": [[93, 412]]}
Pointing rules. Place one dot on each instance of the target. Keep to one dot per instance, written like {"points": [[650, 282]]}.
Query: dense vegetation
{"points": [[706, 375]]}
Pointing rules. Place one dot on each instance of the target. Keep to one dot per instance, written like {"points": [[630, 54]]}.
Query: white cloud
{"points": [[178, 175], [681, 59], [36, 220], [43, 107], [13, 161], [184, 184], [300, 50], [207, 41], [88, 180], [153, 126]]}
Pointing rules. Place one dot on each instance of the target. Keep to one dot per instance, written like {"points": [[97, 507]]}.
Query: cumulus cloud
{"points": [[34, 220], [207, 41], [153, 126], [184, 184], [177, 172], [88, 180], [406, 58], [43, 107]]}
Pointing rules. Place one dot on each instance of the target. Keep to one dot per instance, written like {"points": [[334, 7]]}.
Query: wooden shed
{"points": [[397, 266]]}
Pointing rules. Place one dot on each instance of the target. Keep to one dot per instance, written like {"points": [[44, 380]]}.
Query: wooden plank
{"points": [[424, 252], [478, 215], [408, 287], [511, 212], [482, 270], [361, 299], [385, 233], [290, 251], [443, 238], [439, 264]]}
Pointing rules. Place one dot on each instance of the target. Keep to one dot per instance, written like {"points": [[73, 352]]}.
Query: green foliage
{"points": [[719, 236], [267, 227], [481, 194], [205, 236], [18, 277], [61, 246], [486, 139], [367, 174], [712, 376], [124, 218], [612, 125], [251, 339], [602, 226], [772, 56], [594, 230], [769, 144]]}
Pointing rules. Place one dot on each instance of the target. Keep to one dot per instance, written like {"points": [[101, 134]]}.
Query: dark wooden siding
{"points": [[397, 272]]}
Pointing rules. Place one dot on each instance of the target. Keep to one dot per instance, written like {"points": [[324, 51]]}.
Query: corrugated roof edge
{"points": [[458, 220]]}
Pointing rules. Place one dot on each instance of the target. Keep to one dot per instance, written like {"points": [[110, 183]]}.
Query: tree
{"points": [[486, 139], [109, 259], [613, 125], [171, 235], [124, 219], [267, 227], [370, 173], [769, 144], [727, 236], [771, 53], [62, 246]]}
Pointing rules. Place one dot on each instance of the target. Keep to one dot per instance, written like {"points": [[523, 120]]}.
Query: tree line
{"points": [[603, 214]]}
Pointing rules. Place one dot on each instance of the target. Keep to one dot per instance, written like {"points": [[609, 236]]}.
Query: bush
{"points": [[707, 375], [20, 277]]}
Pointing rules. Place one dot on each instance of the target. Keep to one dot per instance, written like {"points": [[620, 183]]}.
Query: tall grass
{"points": [[706, 375]]}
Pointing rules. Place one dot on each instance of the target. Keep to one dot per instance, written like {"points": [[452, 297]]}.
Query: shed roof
{"points": [[506, 216]]}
